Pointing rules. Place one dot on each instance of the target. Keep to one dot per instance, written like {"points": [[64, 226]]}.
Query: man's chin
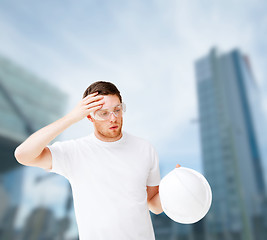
{"points": [[112, 133]]}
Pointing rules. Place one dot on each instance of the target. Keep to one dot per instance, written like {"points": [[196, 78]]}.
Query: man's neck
{"points": [[104, 138]]}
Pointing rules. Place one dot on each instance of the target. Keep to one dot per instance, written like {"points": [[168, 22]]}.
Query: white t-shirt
{"points": [[108, 181]]}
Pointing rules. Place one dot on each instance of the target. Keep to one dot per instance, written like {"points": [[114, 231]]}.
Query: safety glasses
{"points": [[104, 114]]}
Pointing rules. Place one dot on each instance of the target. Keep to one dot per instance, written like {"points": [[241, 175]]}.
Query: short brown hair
{"points": [[103, 88]]}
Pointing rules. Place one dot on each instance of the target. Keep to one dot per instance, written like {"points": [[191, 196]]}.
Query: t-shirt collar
{"points": [[121, 140]]}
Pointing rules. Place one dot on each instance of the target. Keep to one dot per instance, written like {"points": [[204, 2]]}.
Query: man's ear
{"points": [[90, 118]]}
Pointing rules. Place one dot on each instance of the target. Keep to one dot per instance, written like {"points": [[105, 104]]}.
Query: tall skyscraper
{"points": [[230, 151], [27, 103]]}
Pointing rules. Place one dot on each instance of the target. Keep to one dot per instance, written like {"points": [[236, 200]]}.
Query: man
{"points": [[114, 176]]}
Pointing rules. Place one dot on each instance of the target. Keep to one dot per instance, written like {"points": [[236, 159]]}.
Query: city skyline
{"points": [[147, 50]]}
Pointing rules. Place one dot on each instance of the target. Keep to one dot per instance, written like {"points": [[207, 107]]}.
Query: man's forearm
{"points": [[34, 144], [154, 204]]}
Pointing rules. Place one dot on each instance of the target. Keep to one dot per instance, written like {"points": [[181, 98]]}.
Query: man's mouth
{"points": [[113, 127]]}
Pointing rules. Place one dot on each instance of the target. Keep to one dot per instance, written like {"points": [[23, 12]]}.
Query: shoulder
{"points": [[69, 143], [138, 140]]}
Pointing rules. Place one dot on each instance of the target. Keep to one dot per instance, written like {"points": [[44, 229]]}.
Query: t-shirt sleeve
{"points": [[154, 174], [62, 155]]}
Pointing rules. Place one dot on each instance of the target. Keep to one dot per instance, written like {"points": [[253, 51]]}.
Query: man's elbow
{"points": [[157, 212], [20, 156], [155, 209]]}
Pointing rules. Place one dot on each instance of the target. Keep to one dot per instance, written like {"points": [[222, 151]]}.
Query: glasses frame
{"points": [[123, 105]]}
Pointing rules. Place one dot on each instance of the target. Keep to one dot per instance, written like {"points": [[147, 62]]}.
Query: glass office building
{"points": [[228, 114], [27, 103]]}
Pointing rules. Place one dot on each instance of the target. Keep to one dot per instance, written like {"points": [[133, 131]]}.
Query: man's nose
{"points": [[112, 117]]}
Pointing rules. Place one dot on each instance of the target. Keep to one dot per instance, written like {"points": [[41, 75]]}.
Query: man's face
{"points": [[109, 130]]}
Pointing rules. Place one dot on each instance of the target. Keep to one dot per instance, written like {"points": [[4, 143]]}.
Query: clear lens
{"points": [[104, 114]]}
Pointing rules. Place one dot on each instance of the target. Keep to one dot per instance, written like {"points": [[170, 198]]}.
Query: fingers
{"points": [[94, 104], [91, 95], [178, 165], [95, 108], [92, 99]]}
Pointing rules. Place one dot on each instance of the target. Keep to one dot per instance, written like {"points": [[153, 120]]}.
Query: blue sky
{"points": [[147, 48]]}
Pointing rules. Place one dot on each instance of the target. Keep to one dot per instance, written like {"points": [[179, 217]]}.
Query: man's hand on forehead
{"points": [[94, 97], [89, 104]]}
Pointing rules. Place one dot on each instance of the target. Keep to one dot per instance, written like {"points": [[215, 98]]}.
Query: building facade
{"points": [[27, 103], [230, 149]]}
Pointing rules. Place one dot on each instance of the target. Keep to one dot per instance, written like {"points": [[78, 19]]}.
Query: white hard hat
{"points": [[185, 195]]}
